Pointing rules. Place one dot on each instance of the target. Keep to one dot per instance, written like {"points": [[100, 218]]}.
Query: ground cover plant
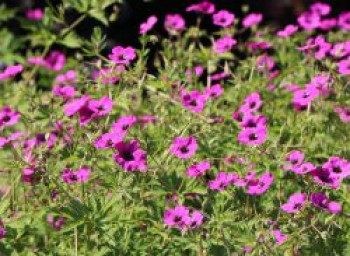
{"points": [[227, 143]]}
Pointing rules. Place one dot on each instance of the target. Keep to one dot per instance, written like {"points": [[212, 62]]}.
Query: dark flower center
{"points": [[252, 104], [184, 150], [6, 119], [253, 136], [251, 124], [178, 218], [193, 103], [128, 156], [337, 169], [297, 206], [294, 161]]}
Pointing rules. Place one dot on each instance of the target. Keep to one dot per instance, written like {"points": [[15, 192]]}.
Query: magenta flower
{"points": [[223, 18], [195, 220], [66, 92], [265, 63], [109, 140], [193, 101], [318, 47], [109, 75], [309, 20], [344, 20], [224, 44], [101, 107], [302, 98], [75, 106], [252, 103], [56, 222], [341, 50], [254, 46], [54, 61], [295, 158], [253, 136], [148, 25], [261, 185], [344, 113], [288, 31], [11, 71], [320, 83], [303, 168], [130, 156], [328, 24], [223, 180], [34, 14], [177, 217], [319, 200], [214, 91], [121, 55], [31, 175], [123, 124], [339, 167], [184, 147], [88, 109], [344, 67], [295, 203], [325, 177], [82, 175], [253, 121], [243, 182], [199, 169], [8, 117], [252, 19], [174, 23], [204, 7], [280, 238], [70, 77], [321, 9]]}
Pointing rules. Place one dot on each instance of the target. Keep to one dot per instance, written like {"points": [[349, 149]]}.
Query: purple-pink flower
{"points": [[81, 175], [193, 100], [199, 169], [223, 18], [174, 23], [295, 203], [261, 185], [319, 200], [55, 61], [280, 238], [252, 19], [224, 44], [183, 218], [214, 91], [344, 21], [11, 71], [130, 156], [34, 14], [8, 117], [288, 31], [148, 25], [122, 55], [88, 109], [184, 147], [344, 67], [204, 7], [309, 20]]}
